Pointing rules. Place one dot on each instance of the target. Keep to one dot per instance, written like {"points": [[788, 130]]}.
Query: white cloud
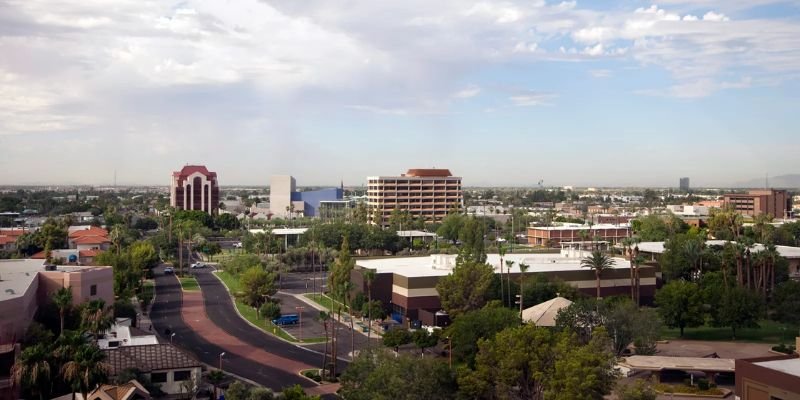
{"points": [[712, 16], [470, 91], [531, 98]]}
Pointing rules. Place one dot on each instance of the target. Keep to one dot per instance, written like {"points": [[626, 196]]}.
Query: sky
{"points": [[597, 93]]}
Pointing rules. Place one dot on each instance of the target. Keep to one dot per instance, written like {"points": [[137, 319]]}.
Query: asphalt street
{"points": [[166, 318]]}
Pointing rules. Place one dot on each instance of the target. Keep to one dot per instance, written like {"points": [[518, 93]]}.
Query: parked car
{"points": [[169, 271], [288, 319], [237, 245], [198, 265]]}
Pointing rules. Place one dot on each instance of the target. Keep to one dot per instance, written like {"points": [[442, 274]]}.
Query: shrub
{"points": [[702, 384]]}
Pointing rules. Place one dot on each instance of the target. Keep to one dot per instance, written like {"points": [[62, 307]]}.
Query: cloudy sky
{"points": [[586, 93]]}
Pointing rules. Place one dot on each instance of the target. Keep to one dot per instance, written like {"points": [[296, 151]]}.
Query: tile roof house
{"points": [[127, 391], [165, 365]]}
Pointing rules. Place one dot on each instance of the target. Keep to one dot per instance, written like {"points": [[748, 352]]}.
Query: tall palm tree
{"points": [[63, 300], [369, 277], [502, 251], [96, 317], [86, 370], [325, 318], [509, 265], [628, 253], [116, 235], [33, 369], [523, 268], [598, 262]]}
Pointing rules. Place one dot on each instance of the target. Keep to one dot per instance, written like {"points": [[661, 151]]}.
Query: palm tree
{"points": [[96, 317], [502, 251], [324, 318], [215, 377], [63, 300], [86, 370], [32, 369], [598, 262], [116, 235], [369, 277], [523, 268], [509, 265]]}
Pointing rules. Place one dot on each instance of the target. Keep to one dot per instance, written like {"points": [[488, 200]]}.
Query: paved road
{"points": [[166, 318], [221, 312]]}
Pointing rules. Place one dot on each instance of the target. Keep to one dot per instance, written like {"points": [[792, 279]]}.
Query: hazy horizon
{"points": [[604, 93]]}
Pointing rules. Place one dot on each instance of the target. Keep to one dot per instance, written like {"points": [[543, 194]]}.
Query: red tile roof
{"points": [[433, 172], [91, 240], [39, 256], [93, 231], [89, 253], [13, 232], [7, 239], [190, 169]]}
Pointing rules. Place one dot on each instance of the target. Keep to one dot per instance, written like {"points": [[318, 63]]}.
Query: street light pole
{"points": [[171, 336], [300, 314], [220, 360]]}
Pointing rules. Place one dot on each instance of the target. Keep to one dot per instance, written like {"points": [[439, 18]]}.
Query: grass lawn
{"points": [[322, 300], [189, 284], [770, 332], [250, 314]]}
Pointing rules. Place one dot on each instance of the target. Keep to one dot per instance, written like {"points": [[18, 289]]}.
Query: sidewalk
{"points": [[345, 316]]}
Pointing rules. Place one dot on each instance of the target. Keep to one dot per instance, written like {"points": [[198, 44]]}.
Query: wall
{"points": [[80, 282], [314, 197], [755, 382], [173, 387], [17, 313], [280, 194]]}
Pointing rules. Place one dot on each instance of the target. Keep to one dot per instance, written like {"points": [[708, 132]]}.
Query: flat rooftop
{"points": [[659, 363], [442, 264], [784, 251], [790, 366], [594, 227], [16, 276]]}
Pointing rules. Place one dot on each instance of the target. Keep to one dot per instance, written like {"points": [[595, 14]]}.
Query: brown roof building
{"points": [[194, 187], [777, 203], [427, 194], [768, 378]]}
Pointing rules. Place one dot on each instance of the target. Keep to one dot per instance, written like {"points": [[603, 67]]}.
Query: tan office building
{"points": [[757, 202], [425, 193]]}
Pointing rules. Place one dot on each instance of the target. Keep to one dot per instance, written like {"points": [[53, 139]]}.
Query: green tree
{"points": [[63, 300], [96, 318], [86, 370], [270, 310], [473, 249], [786, 303], [451, 226], [468, 328], [640, 389], [424, 339], [530, 362], [466, 288], [680, 305], [598, 262], [237, 391], [257, 286], [340, 289], [215, 378], [260, 393], [33, 369], [296, 393], [395, 338], [738, 308], [240, 263], [379, 375]]}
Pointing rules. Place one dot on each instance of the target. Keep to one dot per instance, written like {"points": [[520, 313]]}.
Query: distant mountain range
{"points": [[790, 181]]}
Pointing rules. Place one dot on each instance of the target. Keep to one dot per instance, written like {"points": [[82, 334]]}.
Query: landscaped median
{"points": [[251, 315], [189, 284], [324, 301]]}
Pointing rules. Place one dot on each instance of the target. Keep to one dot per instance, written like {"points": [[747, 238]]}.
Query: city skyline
{"points": [[611, 93]]}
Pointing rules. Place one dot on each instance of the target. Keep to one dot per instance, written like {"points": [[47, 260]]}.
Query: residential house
{"points": [[173, 369]]}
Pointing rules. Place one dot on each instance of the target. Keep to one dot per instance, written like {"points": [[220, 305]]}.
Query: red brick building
{"points": [[756, 202], [194, 187], [552, 236]]}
